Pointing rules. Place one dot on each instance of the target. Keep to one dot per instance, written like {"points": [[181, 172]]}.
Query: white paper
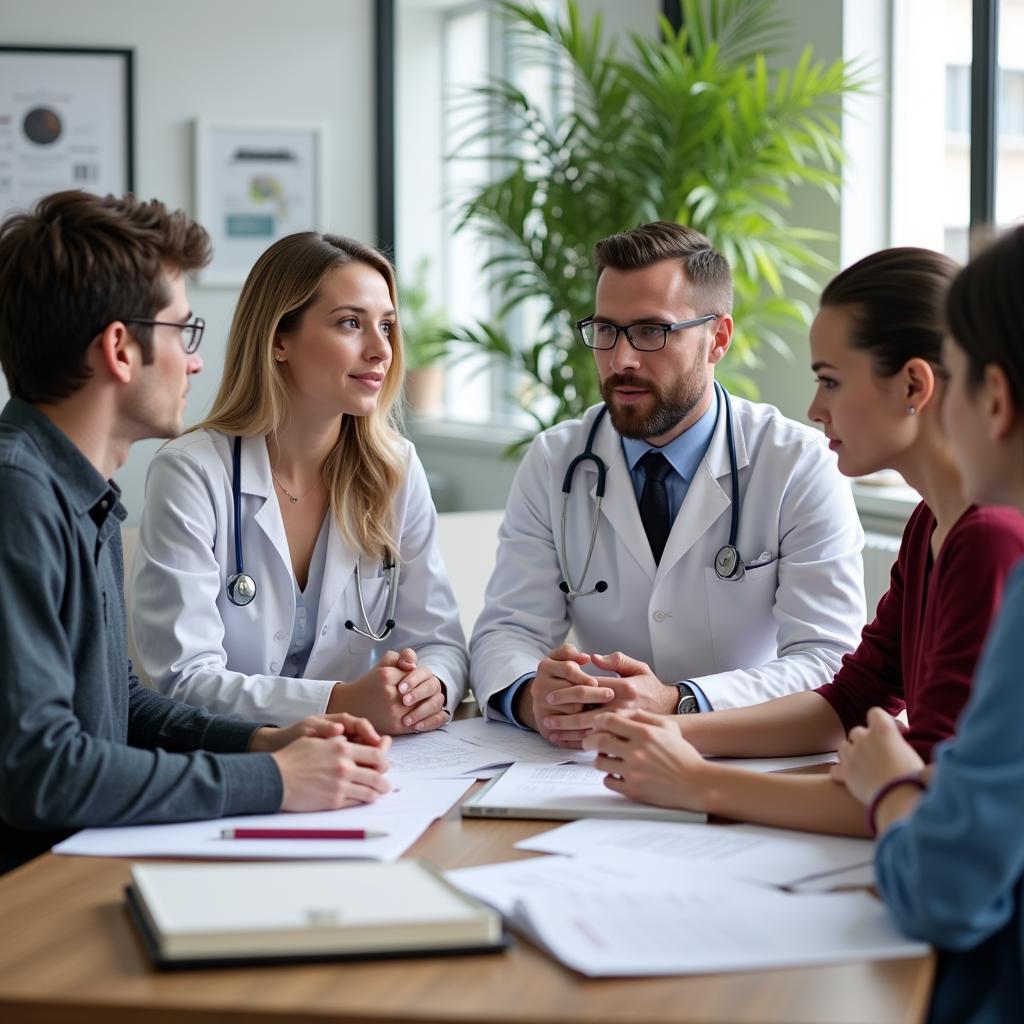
{"points": [[505, 884], [708, 925], [572, 790], [473, 747], [772, 855], [481, 749], [431, 755], [504, 743], [404, 814]]}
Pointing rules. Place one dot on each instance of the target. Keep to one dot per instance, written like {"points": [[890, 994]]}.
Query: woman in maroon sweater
{"points": [[876, 352]]}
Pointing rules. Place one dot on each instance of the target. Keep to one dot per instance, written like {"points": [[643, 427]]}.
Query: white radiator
{"points": [[880, 550]]}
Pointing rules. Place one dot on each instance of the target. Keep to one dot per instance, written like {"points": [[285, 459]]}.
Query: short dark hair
{"points": [[706, 268], [985, 311], [74, 264], [895, 297]]}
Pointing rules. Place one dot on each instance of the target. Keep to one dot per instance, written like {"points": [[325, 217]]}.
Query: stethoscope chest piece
{"points": [[728, 565], [241, 588]]}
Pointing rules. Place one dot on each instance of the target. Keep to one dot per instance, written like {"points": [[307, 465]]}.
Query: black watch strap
{"points": [[687, 700]]}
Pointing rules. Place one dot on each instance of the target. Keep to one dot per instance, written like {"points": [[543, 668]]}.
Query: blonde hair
{"points": [[365, 468]]}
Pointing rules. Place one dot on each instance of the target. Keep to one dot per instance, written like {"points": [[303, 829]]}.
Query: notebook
{"points": [[561, 792], [193, 915]]}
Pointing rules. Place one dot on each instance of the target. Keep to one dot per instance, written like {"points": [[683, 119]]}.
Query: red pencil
{"points": [[299, 833]]}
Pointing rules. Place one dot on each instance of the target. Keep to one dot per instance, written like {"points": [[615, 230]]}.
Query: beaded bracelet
{"points": [[914, 779]]}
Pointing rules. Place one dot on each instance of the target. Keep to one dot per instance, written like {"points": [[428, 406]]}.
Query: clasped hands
{"points": [[629, 721], [563, 702], [326, 761], [339, 758], [397, 695]]}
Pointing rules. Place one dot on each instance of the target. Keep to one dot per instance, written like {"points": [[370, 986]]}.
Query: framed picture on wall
{"points": [[65, 122], [255, 184]]}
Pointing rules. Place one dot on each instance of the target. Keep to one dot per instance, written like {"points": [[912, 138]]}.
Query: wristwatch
{"points": [[687, 700]]}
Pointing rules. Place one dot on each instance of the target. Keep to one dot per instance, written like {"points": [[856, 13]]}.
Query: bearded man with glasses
{"points": [[704, 550]]}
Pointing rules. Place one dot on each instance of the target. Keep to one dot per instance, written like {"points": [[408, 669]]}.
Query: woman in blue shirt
{"points": [[950, 860]]}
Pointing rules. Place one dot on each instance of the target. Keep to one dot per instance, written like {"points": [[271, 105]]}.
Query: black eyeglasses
{"points": [[191, 333], [601, 334]]}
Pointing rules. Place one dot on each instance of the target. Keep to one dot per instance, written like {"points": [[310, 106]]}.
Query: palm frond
{"points": [[700, 126]]}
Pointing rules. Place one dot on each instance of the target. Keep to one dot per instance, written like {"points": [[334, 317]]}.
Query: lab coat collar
{"points": [[341, 563], [708, 497], [710, 494], [256, 478]]}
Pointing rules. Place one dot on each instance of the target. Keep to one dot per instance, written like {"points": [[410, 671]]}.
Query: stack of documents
{"points": [[621, 898], [706, 925], [773, 856], [506, 884]]}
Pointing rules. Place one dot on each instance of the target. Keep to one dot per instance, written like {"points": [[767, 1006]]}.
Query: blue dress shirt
{"points": [[685, 454]]}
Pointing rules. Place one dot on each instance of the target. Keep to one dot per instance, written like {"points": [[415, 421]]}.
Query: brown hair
{"points": [[985, 311], [895, 298], [75, 264], [706, 268], [365, 468]]}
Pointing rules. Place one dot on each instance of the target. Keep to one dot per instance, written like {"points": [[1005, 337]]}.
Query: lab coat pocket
{"points": [[744, 633], [374, 590]]}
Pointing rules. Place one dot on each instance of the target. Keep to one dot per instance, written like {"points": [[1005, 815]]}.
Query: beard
{"points": [[669, 405]]}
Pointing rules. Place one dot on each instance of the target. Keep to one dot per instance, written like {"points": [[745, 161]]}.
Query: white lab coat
{"points": [[199, 647], [783, 627]]}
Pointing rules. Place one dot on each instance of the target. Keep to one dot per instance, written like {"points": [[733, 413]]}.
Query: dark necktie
{"points": [[654, 501]]}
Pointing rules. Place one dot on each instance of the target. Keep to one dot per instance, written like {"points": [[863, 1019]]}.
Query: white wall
{"points": [[234, 60], [308, 60]]}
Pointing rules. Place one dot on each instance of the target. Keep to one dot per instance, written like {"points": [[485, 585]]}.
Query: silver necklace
{"points": [[294, 498]]}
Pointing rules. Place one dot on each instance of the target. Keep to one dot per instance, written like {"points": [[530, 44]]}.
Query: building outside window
{"points": [[931, 117]]}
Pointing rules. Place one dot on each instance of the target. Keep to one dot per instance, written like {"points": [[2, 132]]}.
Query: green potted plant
{"points": [[694, 126], [426, 335]]}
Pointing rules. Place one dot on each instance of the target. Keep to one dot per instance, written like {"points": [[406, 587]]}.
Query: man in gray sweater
{"points": [[97, 342]]}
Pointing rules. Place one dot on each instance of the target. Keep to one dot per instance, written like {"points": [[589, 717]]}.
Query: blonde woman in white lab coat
{"points": [[330, 496]]}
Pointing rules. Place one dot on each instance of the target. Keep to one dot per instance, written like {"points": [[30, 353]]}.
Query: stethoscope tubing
{"points": [[727, 555]]}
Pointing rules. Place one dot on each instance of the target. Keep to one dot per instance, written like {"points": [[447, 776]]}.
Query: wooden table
{"points": [[68, 952]]}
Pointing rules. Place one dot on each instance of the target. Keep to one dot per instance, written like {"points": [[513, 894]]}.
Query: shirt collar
{"points": [[79, 479], [684, 452]]}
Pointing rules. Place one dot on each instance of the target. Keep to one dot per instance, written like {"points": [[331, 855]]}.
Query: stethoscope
{"points": [[241, 587], [728, 565]]}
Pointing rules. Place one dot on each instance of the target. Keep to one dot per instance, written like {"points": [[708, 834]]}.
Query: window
{"points": [[1009, 171], [939, 185], [443, 49], [931, 142]]}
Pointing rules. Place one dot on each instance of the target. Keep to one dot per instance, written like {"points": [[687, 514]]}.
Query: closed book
{"points": [[228, 914]]}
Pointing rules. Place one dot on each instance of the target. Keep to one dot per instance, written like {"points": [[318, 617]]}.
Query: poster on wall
{"points": [[65, 122], [254, 185]]}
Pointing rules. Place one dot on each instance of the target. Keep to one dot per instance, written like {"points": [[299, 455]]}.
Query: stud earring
{"points": [[911, 411]]}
